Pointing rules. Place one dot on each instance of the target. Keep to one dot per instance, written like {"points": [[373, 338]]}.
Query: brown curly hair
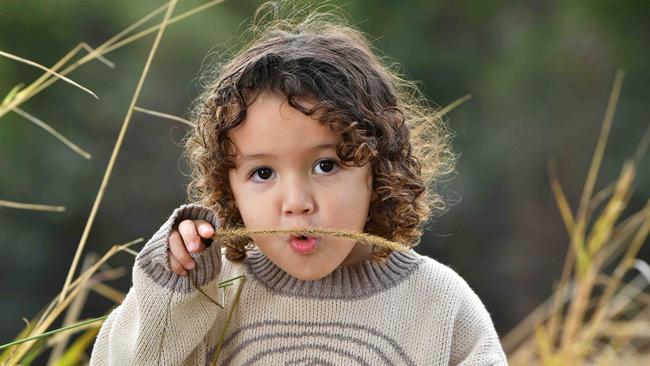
{"points": [[382, 119]]}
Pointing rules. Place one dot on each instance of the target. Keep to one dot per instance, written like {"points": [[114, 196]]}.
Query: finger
{"points": [[177, 247], [190, 236], [176, 266], [204, 228]]}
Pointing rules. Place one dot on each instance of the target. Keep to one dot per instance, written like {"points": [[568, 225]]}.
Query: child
{"points": [[304, 127]]}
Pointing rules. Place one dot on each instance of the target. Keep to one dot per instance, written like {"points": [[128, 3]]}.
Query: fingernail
{"points": [[194, 246], [190, 265]]}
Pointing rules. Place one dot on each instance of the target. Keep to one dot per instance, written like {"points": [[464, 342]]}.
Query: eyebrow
{"points": [[263, 155]]}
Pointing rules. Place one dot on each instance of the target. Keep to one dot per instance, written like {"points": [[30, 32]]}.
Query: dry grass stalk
{"points": [[53, 132], [583, 334], [31, 206], [164, 115], [108, 292], [223, 235], [112, 44], [47, 70], [17, 97], [60, 341], [453, 105], [15, 354], [116, 150]]}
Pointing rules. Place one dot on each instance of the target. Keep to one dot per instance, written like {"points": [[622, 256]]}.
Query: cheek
{"points": [[349, 205], [362, 192], [256, 210]]}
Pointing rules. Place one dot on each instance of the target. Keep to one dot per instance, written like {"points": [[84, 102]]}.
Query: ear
{"points": [[373, 195]]}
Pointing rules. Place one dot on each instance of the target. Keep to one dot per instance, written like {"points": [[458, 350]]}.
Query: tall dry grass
{"points": [[592, 318], [33, 339]]}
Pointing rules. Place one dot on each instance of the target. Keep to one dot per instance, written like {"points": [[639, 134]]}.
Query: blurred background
{"points": [[540, 73]]}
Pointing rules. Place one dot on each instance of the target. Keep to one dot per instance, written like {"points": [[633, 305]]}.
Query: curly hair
{"points": [[382, 119]]}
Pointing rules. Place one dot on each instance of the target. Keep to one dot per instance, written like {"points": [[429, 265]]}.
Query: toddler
{"points": [[304, 127]]}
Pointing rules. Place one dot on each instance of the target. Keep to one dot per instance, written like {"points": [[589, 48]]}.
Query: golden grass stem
{"points": [[116, 149], [31, 206], [37, 65], [579, 303], [54, 311], [622, 268], [555, 316], [108, 292], [44, 81], [20, 351], [538, 316], [600, 197], [132, 252], [92, 51], [584, 264], [12, 94], [164, 115], [600, 234], [53, 132], [104, 48], [71, 315], [232, 233], [623, 231], [560, 198], [448, 108], [62, 62], [156, 27], [95, 283], [601, 144], [542, 314], [602, 228]]}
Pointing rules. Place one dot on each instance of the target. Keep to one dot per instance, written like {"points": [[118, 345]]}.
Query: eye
{"points": [[264, 174], [327, 165]]}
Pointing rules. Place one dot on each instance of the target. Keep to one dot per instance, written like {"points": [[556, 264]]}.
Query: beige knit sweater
{"points": [[411, 310]]}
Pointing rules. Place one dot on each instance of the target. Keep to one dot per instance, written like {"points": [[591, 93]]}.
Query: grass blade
{"points": [[32, 63], [116, 150]]}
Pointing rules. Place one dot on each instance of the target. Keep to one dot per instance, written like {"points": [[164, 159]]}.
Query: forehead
{"points": [[272, 126]]}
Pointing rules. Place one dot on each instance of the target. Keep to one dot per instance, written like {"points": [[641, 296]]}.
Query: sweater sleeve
{"points": [[475, 341], [162, 307]]}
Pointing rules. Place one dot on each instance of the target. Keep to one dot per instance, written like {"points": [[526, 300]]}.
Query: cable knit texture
{"points": [[411, 310]]}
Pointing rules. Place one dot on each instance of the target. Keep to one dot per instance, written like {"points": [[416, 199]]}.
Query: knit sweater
{"points": [[409, 310]]}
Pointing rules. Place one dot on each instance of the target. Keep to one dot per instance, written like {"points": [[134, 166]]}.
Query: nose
{"points": [[297, 197]]}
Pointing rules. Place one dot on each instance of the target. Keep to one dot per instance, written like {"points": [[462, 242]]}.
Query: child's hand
{"points": [[188, 238]]}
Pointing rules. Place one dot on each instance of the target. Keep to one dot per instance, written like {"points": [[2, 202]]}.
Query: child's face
{"points": [[298, 183]]}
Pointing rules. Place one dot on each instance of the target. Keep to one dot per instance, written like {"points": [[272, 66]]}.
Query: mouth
{"points": [[300, 236], [303, 244]]}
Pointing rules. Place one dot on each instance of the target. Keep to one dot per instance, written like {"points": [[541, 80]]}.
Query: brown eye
{"points": [[263, 173], [327, 165]]}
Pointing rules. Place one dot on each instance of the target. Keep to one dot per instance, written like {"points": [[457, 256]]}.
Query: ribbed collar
{"points": [[353, 282]]}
